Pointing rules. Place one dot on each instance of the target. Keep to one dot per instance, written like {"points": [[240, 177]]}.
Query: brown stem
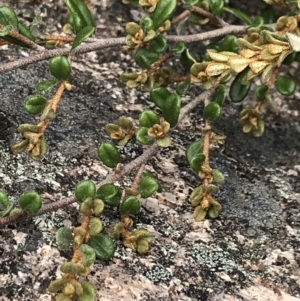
{"points": [[206, 147], [218, 22], [106, 43], [53, 104], [138, 176], [181, 78], [24, 40], [158, 63], [181, 17]]}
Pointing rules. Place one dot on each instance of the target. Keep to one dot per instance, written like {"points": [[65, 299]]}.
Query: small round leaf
{"points": [[148, 118], [238, 91], [89, 255], [35, 104], [60, 67], [147, 186], [64, 237], [261, 92], [212, 111], [158, 44], [110, 194], [142, 136], [285, 85], [159, 96], [171, 109], [30, 201], [199, 214], [130, 205], [85, 189], [109, 154], [89, 293], [194, 154], [103, 246], [5, 204], [219, 95]]}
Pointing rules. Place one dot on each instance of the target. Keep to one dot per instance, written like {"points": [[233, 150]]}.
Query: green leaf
{"points": [[146, 23], [285, 85], [194, 154], [142, 136], [258, 22], [158, 44], [229, 43], [213, 212], [216, 6], [60, 67], [147, 186], [80, 9], [85, 189], [163, 12], [239, 91], [109, 154], [171, 109], [159, 96], [89, 255], [187, 60], [35, 104], [261, 92], [219, 95], [238, 14], [212, 111], [64, 238], [148, 118], [30, 201], [89, 293], [110, 194], [189, 3], [183, 87], [290, 59], [95, 226], [103, 246], [5, 204], [25, 31], [145, 57], [9, 17], [45, 86], [178, 48], [130, 206], [218, 176], [199, 214], [268, 14], [149, 174], [82, 35], [5, 30]]}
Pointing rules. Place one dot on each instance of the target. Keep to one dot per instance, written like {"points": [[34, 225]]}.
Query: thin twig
{"points": [[230, 29], [24, 40], [106, 43], [100, 44]]}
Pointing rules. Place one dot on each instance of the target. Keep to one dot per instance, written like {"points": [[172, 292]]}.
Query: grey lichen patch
{"points": [[158, 273], [212, 257]]}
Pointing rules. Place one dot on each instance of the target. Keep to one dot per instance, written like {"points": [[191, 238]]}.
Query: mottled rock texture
{"points": [[251, 252]]}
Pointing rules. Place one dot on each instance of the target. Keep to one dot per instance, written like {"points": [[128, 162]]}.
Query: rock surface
{"points": [[251, 252]]}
